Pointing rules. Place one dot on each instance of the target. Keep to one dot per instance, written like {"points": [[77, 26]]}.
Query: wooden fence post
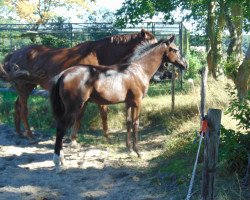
{"points": [[211, 145], [173, 88]]}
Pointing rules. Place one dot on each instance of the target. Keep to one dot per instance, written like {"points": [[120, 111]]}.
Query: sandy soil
{"points": [[91, 172]]}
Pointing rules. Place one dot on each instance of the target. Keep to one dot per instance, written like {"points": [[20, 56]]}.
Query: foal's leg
{"points": [[104, 116], [61, 129], [135, 120], [77, 124], [128, 124], [58, 157]]}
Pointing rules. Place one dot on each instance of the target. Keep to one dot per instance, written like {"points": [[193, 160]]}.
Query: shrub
{"points": [[239, 110], [196, 61], [55, 41], [230, 67], [235, 144], [233, 150]]}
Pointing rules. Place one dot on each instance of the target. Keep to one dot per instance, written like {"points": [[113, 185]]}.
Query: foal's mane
{"points": [[144, 49], [141, 51]]}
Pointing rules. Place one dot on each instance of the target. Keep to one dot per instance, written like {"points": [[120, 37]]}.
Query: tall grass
{"points": [[156, 108]]}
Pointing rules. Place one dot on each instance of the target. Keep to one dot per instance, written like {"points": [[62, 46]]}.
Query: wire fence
{"points": [[14, 36]]}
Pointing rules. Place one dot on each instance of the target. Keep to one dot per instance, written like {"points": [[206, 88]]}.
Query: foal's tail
{"points": [[55, 99]]}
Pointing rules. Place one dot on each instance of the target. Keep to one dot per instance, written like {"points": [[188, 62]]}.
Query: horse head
{"points": [[173, 55], [147, 36]]}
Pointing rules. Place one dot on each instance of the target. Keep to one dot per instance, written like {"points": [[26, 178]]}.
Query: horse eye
{"points": [[172, 49]]}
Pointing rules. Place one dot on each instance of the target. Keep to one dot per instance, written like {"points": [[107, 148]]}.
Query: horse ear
{"points": [[143, 33], [170, 39]]}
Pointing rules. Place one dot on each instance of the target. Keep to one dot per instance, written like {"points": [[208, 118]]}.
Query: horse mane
{"points": [[116, 39], [102, 68], [124, 38]]}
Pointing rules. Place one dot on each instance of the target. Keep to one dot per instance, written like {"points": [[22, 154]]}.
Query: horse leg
{"points": [[72, 114], [61, 128], [103, 113], [135, 120], [58, 157], [128, 124], [77, 124], [21, 109], [24, 116], [17, 119]]}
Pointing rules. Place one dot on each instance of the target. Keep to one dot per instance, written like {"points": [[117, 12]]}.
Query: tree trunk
{"points": [[216, 23], [238, 20], [243, 76], [241, 71], [218, 37], [211, 35], [234, 52]]}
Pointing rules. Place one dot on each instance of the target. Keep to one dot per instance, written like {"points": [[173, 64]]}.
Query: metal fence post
{"points": [[181, 38], [173, 88]]}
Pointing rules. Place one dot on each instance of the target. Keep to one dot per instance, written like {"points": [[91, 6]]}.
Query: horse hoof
{"points": [[58, 169], [109, 141], [20, 135], [28, 134], [74, 143], [32, 141], [138, 154], [58, 161], [129, 151], [61, 157]]}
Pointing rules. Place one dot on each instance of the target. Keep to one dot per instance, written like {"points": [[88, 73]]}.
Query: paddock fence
{"points": [[15, 36]]}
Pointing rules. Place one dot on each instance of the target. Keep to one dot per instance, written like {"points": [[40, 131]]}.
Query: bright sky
{"points": [[109, 4], [113, 5]]}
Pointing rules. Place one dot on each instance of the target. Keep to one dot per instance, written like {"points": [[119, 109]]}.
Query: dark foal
{"points": [[103, 85], [35, 65]]}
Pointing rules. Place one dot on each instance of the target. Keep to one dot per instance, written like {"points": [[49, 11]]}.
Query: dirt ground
{"points": [[91, 172]]}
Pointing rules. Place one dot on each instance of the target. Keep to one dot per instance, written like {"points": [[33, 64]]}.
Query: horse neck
{"points": [[151, 61], [124, 46]]}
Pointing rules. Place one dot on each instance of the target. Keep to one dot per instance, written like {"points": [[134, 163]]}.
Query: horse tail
{"points": [[10, 71], [55, 99], [3, 72]]}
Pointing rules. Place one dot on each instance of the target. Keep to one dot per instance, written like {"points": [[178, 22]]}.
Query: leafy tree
{"points": [[211, 15], [238, 19], [41, 11], [99, 30], [60, 36]]}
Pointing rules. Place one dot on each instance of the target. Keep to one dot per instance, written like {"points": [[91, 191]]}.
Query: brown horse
{"points": [[37, 64], [128, 83]]}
